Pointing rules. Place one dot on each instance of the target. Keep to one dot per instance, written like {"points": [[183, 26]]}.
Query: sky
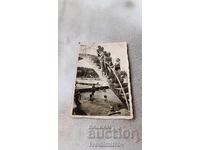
{"points": [[117, 50]]}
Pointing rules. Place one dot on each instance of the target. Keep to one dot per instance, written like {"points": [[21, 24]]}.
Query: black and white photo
{"points": [[102, 87]]}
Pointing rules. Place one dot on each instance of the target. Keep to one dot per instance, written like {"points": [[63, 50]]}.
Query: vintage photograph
{"points": [[102, 87]]}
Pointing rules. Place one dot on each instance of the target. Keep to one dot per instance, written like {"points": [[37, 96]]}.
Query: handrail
{"points": [[120, 85]]}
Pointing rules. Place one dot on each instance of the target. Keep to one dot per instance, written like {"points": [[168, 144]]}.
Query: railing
{"points": [[126, 101], [120, 85]]}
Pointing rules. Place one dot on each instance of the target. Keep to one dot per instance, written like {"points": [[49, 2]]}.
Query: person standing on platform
{"points": [[101, 58], [117, 69], [109, 64], [117, 65], [99, 51]]}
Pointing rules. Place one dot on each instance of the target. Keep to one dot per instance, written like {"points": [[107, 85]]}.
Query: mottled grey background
{"points": [[97, 21]]}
